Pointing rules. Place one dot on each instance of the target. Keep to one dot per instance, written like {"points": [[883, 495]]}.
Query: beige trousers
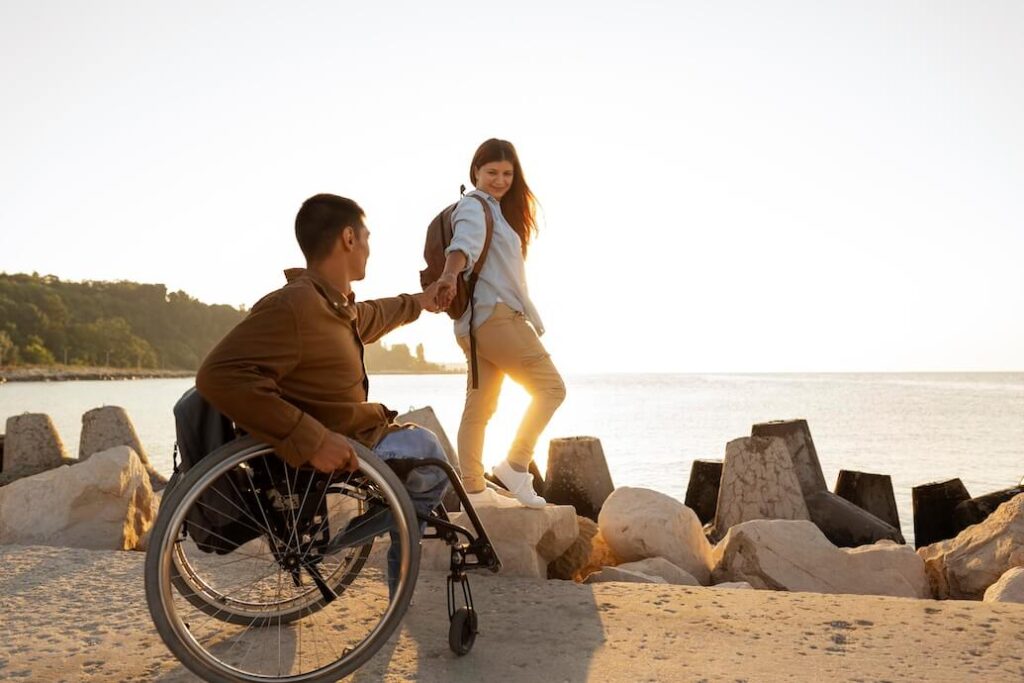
{"points": [[506, 345]]}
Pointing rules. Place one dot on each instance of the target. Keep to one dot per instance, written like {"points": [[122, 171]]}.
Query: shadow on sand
{"points": [[519, 639]]}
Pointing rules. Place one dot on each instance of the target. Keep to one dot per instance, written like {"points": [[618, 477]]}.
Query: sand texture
{"points": [[80, 615]]}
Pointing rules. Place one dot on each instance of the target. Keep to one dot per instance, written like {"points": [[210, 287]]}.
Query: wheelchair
{"points": [[257, 571]]}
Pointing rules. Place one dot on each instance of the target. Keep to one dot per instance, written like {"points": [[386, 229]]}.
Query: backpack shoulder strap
{"points": [[489, 224]]}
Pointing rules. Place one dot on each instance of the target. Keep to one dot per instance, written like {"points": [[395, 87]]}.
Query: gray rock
{"points": [[108, 427], [32, 444], [702, 489], [870, 492], [759, 481], [795, 555], [577, 475], [843, 523], [797, 436]]}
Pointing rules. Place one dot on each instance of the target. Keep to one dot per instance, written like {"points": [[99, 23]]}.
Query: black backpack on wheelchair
{"points": [[215, 523]]}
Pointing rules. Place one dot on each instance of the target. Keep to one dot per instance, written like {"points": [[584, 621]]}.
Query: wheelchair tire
{"points": [[236, 642], [462, 631]]}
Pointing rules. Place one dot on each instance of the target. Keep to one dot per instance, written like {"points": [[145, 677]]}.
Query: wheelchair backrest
{"points": [[214, 523]]}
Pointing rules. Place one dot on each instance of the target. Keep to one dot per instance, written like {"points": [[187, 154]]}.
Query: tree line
{"points": [[47, 321]]}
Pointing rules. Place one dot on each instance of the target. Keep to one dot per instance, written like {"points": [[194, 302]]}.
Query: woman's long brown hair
{"points": [[519, 206]]}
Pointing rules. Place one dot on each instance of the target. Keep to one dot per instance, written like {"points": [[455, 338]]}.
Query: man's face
{"points": [[358, 251]]}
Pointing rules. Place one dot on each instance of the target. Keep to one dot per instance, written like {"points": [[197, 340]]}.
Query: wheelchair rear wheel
{"points": [[270, 599]]}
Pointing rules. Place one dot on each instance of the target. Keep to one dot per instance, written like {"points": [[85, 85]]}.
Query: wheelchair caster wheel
{"points": [[462, 631]]}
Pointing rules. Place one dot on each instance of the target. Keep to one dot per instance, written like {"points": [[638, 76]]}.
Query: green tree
{"points": [[35, 353], [110, 341], [172, 330], [6, 346]]}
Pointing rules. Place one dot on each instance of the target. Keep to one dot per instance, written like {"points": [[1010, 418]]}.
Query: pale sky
{"points": [[742, 186]]}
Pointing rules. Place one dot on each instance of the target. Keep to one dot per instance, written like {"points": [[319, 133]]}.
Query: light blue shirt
{"points": [[503, 276]]}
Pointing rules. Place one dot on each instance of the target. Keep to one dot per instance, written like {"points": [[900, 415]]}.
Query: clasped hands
{"points": [[439, 294]]}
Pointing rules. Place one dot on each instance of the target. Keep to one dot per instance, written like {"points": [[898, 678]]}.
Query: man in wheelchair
{"points": [[263, 561], [292, 373]]}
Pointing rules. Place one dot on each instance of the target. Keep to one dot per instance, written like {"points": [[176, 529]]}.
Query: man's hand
{"points": [[335, 454], [445, 287], [428, 299]]}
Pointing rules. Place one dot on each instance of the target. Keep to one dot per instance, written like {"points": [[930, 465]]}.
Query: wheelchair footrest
{"points": [[475, 555]]}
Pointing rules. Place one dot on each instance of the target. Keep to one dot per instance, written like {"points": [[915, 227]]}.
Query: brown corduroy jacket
{"points": [[293, 368]]}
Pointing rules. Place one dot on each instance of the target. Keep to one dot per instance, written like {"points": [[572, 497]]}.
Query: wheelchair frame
{"points": [[471, 549]]}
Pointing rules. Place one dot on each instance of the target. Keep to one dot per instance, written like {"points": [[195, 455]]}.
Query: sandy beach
{"points": [[80, 615]]}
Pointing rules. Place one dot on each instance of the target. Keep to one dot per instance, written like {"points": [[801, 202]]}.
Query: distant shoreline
{"points": [[72, 373], [65, 373]]}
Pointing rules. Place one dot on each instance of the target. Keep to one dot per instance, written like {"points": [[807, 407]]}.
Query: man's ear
{"points": [[348, 237]]}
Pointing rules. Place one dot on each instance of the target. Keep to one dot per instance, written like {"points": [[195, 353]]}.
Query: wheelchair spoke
{"points": [[220, 536], [294, 535], [220, 513], [279, 630], [324, 522], [239, 635], [259, 503], [236, 588], [246, 513], [242, 557]]}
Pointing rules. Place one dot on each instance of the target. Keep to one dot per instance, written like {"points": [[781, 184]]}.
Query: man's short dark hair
{"points": [[320, 220]]}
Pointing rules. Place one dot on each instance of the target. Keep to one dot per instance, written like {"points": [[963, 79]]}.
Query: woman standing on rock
{"points": [[506, 326]]}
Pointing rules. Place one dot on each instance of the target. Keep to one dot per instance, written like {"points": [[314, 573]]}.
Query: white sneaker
{"points": [[519, 484], [491, 498]]}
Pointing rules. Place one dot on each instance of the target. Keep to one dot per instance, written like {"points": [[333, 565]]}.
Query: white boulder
{"points": [[608, 574], [525, 539], [1009, 587], [640, 523], [661, 568], [794, 555], [104, 503], [965, 566]]}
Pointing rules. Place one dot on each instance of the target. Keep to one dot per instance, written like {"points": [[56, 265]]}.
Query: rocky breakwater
{"points": [[652, 538]]}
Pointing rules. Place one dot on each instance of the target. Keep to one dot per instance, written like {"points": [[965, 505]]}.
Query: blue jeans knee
{"points": [[426, 485]]}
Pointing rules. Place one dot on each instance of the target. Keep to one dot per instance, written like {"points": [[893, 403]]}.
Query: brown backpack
{"points": [[439, 236]]}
